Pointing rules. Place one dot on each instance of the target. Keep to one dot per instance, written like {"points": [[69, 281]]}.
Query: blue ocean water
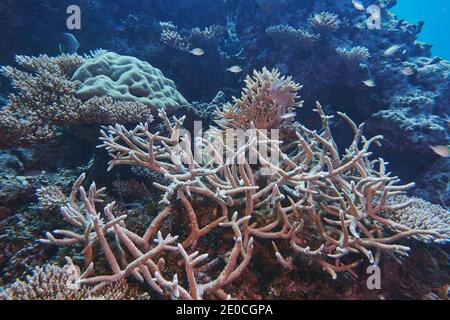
{"points": [[436, 15]]}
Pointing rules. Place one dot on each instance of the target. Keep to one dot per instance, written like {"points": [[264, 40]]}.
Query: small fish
{"points": [[69, 45], [392, 50], [370, 83], [197, 52], [443, 151], [408, 71], [235, 69], [358, 5], [288, 115]]}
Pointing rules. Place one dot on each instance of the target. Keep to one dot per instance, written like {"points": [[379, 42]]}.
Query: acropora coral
{"points": [[294, 36], [325, 21], [51, 198], [220, 211], [52, 282], [172, 37], [353, 56], [48, 100], [268, 101]]}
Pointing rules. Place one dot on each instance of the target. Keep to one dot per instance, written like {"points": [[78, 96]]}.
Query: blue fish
{"points": [[69, 44]]}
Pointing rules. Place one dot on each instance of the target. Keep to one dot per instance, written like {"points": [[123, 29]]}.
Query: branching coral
{"points": [[45, 97], [105, 110], [288, 33], [171, 37], [310, 200], [325, 22], [353, 56], [51, 198], [55, 283], [421, 214], [148, 261], [211, 33], [46, 102], [267, 101]]}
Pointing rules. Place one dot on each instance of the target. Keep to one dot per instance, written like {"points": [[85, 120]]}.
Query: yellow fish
{"points": [[443, 151], [197, 52], [358, 5], [235, 69], [370, 83]]}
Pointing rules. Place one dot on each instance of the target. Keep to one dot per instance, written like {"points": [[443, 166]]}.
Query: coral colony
{"points": [[202, 199]]}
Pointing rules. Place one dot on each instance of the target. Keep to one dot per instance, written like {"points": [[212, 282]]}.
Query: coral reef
{"points": [[353, 56], [421, 215], [191, 217], [324, 22], [267, 101], [51, 198], [126, 78], [47, 102], [130, 189], [292, 35], [314, 202], [51, 282], [46, 97], [171, 37], [405, 132]]}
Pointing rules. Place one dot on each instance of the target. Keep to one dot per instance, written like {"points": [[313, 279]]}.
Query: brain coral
{"points": [[127, 78]]}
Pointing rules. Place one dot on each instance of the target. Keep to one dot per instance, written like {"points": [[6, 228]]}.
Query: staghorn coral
{"points": [[148, 261], [46, 101], [268, 100], [292, 35], [324, 22], [353, 56], [52, 282], [312, 202], [421, 214]]}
